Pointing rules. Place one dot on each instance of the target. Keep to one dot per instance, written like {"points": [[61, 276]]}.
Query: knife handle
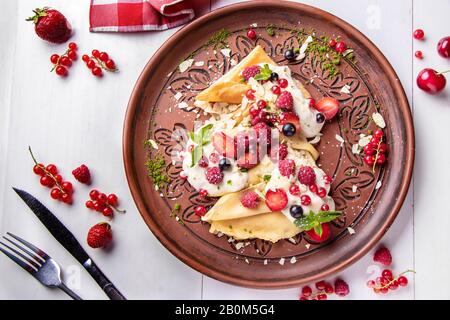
{"points": [[111, 291]]}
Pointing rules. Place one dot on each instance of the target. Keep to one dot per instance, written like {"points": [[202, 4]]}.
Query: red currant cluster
{"points": [[63, 62], [61, 190], [375, 151], [100, 202], [99, 61], [386, 281], [324, 289], [339, 46]]}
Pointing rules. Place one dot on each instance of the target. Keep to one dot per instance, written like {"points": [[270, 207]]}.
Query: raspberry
{"points": [[383, 256], [285, 101], [82, 174], [306, 175], [214, 175], [250, 199], [250, 72], [100, 235], [282, 151], [341, 288], [286, 167]]}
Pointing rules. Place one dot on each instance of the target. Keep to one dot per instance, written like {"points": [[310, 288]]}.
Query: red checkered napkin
{"points": [[138, 15]]}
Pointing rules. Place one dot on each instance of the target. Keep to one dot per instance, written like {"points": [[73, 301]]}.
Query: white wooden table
{"points": [[79, 120]]}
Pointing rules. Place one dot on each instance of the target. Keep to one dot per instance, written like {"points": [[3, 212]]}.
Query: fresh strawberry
{"points": [[290, 117], [82, 174], [383, 256], [285, 101], [250, 199], [224, 145], [341, 288], [306, 175], [250, 72], [276, 200], [248, 160], [100, 235], [286, 167], [214, 175], [51, 25], [328, 106], [326, 232]]}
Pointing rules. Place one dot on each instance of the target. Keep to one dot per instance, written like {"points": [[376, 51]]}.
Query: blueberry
{"points": [[289, 129], [274, 76], [296, 211], [320, 118], [224, 164], [290, 54]]}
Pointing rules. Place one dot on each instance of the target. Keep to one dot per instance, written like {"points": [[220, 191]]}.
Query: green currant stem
{"points": [[119, 210], [46, 171], [377, 155], [103, 65], [394, 279], [59, 59], [440, 73]]}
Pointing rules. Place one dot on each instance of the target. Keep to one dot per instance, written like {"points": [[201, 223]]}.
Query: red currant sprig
{"points": [[388, 282], [63, 62], [100, 202], [61, 190], [325, 289], [375, 151], [99, 61]]}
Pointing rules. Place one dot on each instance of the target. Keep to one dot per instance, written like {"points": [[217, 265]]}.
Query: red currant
{"points": [[46, 181], [312, 103], [67, 187], [322, 192], [261, 104], [52, 169], [251, 34], [313, 188], [113, 200], [110, 64], [381, 159], [393, 285], [341, 47], [214, 157], [65, 61], [371, 284], [254, 111], [200, 211], [402, 281], [90, 64], [378, 134], [382, 148], [203, 193], [369, 150], [58, 178], [96, 53], [306, 291], [90, 204], [283, 83], [66, 198], [325, 207], [55, 193], [419, 34], [61, 71], [103, 56], [305, 199], [72, 55], [384, 290], [374, 142], [85, 58], [276, 90], [294, 189], [38, 169], [94, 194], [329, 289], [327, 179], [97, 71], [369, 160], [73, 46], [321, 285], [322, 296], [102, 198], [387, 274], [332, 43], [107, 212], [98, 206], [54, 58], [419, 55], [250, 94]]}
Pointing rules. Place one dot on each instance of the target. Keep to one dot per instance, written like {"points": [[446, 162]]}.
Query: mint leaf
{"points": [[318, 230], [314, 220], [327, 216], [264, 73]]}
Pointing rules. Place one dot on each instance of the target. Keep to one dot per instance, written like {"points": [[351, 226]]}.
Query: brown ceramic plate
{"points": [[369, 209]]}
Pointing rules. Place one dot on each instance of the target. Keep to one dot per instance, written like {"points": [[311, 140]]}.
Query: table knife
{"points": [[68, 241]]}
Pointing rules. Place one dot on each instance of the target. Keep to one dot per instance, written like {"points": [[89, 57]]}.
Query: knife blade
{"points": [[70, 243]]}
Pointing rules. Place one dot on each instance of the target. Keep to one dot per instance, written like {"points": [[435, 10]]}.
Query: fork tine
{"points": [[24, 265], [35, 249], [31, 254]]}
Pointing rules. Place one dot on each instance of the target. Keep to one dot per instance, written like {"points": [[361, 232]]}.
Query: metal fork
{"points": [[39, 264]]}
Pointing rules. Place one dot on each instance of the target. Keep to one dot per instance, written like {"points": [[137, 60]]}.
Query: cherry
{"points": [[61, 71], [419, 34], [95, 53], [276, 90], [251, 34], [443, 47], [431, 81], [250, 94], [294, 190], [103, 56], [283, 83], [55, 193], [419, 55], [97, 71], [54, 58], [107, 212], [73, 46], [85, 58], [38, 169], [200, 211], [90, 204], [341, 47], [110, 64], [94, 194], [332, 43], [305, 199]]}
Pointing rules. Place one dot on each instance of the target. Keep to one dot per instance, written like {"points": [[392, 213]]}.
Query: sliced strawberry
{"points": [[224, 145], [248, 160], [290, 117], [325, 233], [276, 200], [328, 106]]}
